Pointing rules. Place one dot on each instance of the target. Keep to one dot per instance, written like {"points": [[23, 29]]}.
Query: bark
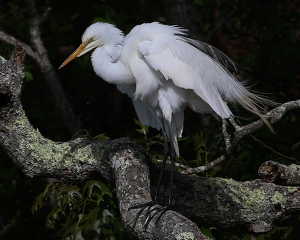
{"points": [[275, 172], [223, 203]]}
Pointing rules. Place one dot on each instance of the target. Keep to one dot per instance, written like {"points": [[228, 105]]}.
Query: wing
{"points": [[190, 65]]}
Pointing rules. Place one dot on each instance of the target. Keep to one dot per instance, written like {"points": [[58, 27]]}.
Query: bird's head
{"points": [[97, 35]]}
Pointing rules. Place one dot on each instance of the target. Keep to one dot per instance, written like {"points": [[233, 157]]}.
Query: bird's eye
{"points": [[88, 41]]}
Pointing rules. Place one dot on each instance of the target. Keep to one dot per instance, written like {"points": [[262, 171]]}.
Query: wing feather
{"points": [[201, 68], [188, 68]]}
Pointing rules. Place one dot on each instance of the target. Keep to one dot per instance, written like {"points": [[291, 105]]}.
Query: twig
{"points": [[278, 153], [234, 124], [45, 15], [176, 164], [5, 37], [274, 116], [206, 167]]}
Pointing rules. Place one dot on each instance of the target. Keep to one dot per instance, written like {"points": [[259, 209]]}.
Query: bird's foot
{"points": [[142, 207], [154, 211], [151, 212]]}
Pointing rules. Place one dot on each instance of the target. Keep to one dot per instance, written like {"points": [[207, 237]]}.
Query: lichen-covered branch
{"points": [[226, 203], [275, 172]]}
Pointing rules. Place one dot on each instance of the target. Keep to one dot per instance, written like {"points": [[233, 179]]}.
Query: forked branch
{"points": [[241, 131]]}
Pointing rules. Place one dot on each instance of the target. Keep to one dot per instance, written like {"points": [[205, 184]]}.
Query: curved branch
{"points": [[71, 121], [273, 116]]}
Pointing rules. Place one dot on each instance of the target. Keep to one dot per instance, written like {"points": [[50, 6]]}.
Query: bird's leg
{"points": [[163, 209], [173, 158], [166, 153], [148, 205]]}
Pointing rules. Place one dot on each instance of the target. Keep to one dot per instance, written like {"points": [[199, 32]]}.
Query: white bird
{"points": [[164, 72]]}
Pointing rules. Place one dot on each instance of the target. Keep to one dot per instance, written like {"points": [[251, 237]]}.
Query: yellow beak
{"points": [[79, 50]]}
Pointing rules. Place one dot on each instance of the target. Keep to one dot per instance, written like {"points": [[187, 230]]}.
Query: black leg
{"points": [[163, 209], [173, 158], [166, 153], [160, 209]]}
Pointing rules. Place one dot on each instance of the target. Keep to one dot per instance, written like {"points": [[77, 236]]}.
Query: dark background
{"points": [[262, 37]]}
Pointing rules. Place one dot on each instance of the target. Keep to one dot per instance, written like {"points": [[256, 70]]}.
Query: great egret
{"points": [[163, 71]]}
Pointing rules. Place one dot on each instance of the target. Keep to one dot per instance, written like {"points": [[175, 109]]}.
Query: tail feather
{"points": [[230, 88], [252, 102]]}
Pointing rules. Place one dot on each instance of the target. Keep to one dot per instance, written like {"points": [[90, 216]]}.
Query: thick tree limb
{"points": [[226, 203], [275, 172], [223, 203]]}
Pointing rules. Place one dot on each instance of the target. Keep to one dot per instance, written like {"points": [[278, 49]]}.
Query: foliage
{"points": [[84, 210], [17, 193], [85, 134], [151, 143]]}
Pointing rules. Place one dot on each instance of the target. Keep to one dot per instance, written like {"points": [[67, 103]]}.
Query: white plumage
{"points": [[163, 72]]}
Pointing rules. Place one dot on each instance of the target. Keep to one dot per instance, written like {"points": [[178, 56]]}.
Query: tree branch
{"points": [[5, 37], [274, 172], [241, 131], [71, 121]]}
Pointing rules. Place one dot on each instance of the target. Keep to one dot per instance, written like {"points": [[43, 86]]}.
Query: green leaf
{"points": [[144, 129], [89, 186], [28, 76], [105, 190], [106, 213], [39, 201]]}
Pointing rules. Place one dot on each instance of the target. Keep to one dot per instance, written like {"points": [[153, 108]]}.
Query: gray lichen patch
{"points": [[185, 236], [244, 196], [278, 198], [250, 199], [40, 151], [44, 154]]}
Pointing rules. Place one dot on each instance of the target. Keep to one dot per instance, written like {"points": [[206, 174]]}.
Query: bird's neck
{"points": [[107, 65]]}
